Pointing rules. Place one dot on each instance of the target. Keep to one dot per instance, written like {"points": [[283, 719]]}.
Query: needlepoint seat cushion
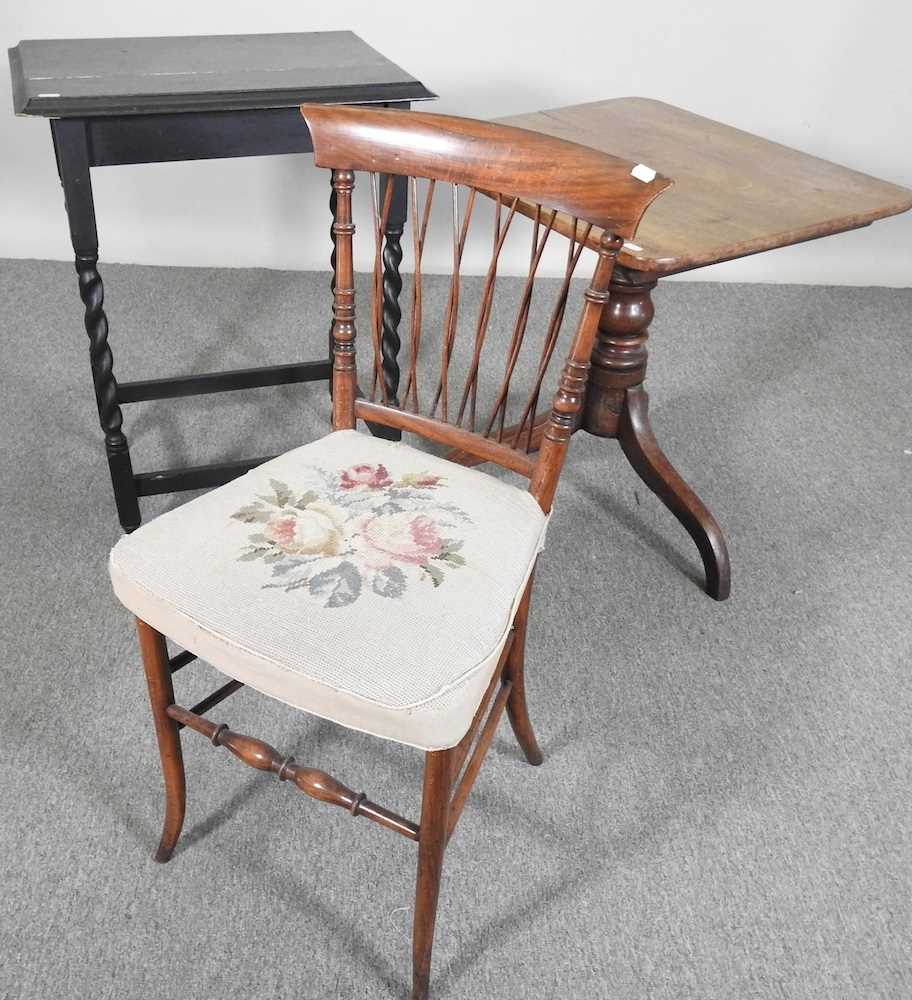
{"points": [[359, 579]]}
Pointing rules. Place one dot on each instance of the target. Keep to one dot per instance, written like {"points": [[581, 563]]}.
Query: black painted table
{"points": [[115, 101]]}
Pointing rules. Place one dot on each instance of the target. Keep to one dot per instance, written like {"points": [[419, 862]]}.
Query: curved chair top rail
{"points": [[590, 185]]}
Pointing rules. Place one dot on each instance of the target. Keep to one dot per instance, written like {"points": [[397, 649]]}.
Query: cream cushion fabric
{"points": [[359, 579]]}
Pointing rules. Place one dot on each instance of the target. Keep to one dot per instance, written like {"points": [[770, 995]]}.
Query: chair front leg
{"points": [[161, 695], [432, 839], [517, 710]]}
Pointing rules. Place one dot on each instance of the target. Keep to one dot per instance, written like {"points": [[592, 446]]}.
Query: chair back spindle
{"points": [[343, 329]]}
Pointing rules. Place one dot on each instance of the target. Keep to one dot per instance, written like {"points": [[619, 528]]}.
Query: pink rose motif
{"points": [[406, 537], [313, 531], [374, 477]]}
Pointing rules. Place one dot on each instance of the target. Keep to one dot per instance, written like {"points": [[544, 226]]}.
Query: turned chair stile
{"points": [[496, 167]]}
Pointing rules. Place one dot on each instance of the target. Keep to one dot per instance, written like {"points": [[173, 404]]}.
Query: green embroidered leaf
{"points": [[389, 582], [306, 498], [449, 550], [250, 555], [434, 573], [420, 480], [341, 585], [287, 586], [252, 513], [283, 494], [453, 509], [284, 568]]}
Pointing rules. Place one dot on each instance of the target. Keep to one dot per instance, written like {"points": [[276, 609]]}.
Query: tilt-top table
{"points": [[115, 101], [734, 194]]}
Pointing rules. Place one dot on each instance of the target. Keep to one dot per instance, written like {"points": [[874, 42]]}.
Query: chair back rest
{"points": [[547, 183]]}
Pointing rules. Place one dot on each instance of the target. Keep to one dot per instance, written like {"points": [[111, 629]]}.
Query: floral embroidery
{"points": [[354, 529], [374, 477]]}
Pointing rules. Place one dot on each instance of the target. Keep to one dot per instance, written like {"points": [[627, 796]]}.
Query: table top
{"points": [[79, 77], [734, 193]]}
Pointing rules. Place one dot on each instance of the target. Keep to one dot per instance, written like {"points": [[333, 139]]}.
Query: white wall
{"points": [[831, 78]]}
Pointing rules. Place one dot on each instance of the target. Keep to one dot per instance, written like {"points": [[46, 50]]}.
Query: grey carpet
{"points": [[724, 808]]}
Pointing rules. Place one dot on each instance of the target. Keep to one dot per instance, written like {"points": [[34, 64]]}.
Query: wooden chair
{"points": [[327, 576]]}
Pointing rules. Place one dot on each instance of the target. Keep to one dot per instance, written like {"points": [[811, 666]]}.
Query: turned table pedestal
{"points": [[734, 194]]}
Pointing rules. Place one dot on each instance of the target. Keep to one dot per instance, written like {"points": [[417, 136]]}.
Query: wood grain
{"points": [[483, 449], [313, 782], [734, 194], [154, 650], [576, 179], [344, 384], [432, 841]]}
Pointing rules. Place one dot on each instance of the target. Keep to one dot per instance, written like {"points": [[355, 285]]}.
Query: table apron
{"points": [[117, 140]]}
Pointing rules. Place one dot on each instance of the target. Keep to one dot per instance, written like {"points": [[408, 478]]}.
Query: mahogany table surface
{"points": [[734, 193]]}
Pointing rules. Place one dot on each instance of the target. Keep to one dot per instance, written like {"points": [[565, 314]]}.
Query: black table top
{"points": [[83, 77]]}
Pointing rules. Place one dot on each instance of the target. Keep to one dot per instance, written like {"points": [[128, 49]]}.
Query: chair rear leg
{"points": [[514, 670], [432, 839], [161, 695]]}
